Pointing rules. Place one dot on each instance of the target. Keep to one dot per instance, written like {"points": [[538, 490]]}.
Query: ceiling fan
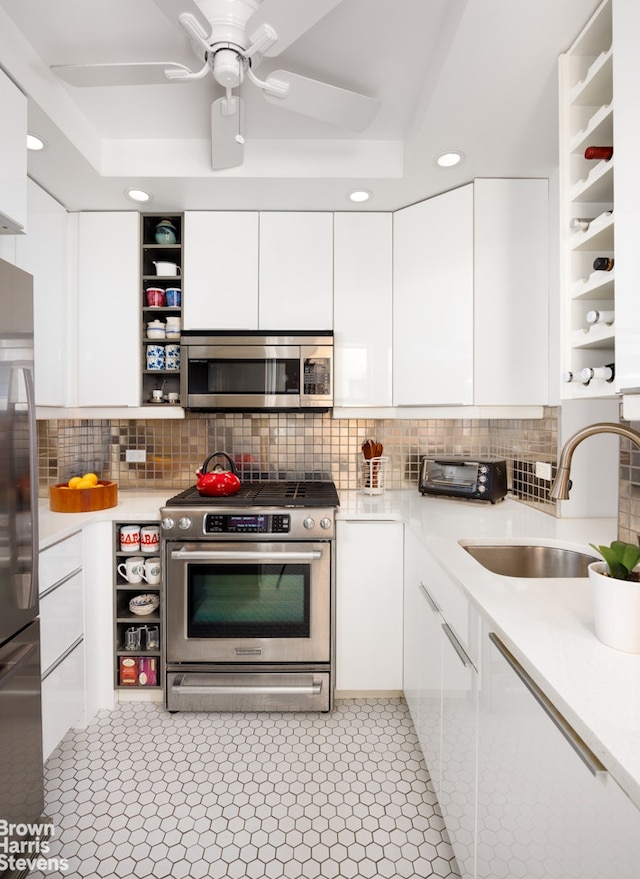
{"points": [[230, 37]]}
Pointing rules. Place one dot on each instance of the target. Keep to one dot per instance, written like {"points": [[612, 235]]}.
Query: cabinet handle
{"points": [[583, 751], [432, 603], [463, 656]]}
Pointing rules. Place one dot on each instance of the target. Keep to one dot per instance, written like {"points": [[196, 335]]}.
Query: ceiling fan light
{"points": [[138, 195], [449, 159], [360, 195], [34, 142]]}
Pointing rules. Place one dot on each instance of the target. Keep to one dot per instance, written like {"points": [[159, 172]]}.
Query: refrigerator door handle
{"points": [[13, 662], [25, 570]]}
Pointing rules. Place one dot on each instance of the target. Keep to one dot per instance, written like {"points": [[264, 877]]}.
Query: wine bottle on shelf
{"points": [[600, 317], [580, 224], [598, 373], [603, 263], [598, 152]]}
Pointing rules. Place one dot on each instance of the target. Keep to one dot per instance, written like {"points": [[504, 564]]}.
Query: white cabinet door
{"points": [[109, 334], [511, 299], [63, 699], [458, 773], [433, 301], [13, 156], [220, 270], [544, 808], [43, 252], [296, 271], [369, 580], [423, 637], [362, 309], [61, 619]]}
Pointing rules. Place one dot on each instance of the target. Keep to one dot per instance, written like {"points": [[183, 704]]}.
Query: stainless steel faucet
{"points": [[562, 483]]}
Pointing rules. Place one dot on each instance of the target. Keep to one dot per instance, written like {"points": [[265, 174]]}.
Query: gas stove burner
{"points": [[286, 493]]}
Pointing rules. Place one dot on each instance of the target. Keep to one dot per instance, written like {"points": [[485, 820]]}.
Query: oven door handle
{"points": [[245, 555], [313, 689]]}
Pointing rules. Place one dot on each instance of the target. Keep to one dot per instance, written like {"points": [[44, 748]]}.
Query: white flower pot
{"points": [[616, 609]]}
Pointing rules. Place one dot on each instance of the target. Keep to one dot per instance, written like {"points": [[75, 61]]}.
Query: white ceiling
{"points": [[479, 76]]}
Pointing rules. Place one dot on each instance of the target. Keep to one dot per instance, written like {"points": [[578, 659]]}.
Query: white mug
{"points": [[132, 569], [151, 572], [150, 538], [130, 538]]}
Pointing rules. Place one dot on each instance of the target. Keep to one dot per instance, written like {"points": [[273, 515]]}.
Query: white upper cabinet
{"points": [[43, 252], [362, 308], [220, 270], [13, 157], [296, 271], [511, 299], [109, 329], [433, 301], [471, 300]]}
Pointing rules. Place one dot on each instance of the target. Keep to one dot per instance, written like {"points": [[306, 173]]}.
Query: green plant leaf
{"points": [[621, 557]]}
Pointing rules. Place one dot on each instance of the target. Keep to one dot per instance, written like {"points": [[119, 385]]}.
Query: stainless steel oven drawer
{"points": [[248, 691]]}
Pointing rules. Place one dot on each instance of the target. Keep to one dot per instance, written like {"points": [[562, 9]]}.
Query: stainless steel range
{"points": [[249, 604]]}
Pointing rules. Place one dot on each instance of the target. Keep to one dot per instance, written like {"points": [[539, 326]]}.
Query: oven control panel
{"points": [[302, 523], [247, 523]]}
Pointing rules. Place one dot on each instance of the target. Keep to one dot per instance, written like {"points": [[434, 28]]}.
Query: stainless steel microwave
{"points": [[254, 371]]}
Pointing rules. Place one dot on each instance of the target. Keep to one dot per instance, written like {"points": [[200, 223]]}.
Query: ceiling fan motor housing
{"points": [[228, 19]]}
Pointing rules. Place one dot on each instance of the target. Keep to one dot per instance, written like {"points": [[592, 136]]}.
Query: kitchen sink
{"points": [[524, 560]]}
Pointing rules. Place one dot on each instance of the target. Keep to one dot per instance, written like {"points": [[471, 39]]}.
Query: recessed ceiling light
{"points": [[138, 194], [360, 195], [34, 142], [449, 159]]}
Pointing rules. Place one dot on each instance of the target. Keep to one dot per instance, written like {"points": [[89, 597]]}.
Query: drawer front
{"points": [[61, 620], [58, 561], [63, 699]]}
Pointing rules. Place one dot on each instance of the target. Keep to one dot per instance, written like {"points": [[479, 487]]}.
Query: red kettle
{"points": [[217, 482]]}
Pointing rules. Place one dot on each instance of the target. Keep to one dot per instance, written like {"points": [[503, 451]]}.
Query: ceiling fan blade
{"points": [[134, 73], [289, 18], [173, 9], [323, 101], [227, 145]]}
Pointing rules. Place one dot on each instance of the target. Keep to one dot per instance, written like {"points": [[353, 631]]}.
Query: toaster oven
{"points": [[483, 479]]}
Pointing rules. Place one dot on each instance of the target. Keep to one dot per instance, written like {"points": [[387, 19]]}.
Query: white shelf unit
{"points": [[587, 191]]}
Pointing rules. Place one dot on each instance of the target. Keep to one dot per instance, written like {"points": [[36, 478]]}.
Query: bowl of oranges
{"points": [[83, 494]]}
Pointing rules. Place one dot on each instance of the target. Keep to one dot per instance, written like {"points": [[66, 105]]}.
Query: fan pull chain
{"points": [[239, 138]]}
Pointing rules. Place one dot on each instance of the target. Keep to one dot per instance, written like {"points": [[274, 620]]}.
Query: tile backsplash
{"points": [[285, 445]]}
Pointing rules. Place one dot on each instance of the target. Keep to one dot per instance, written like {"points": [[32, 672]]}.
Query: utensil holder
{"points": [[372, 474]]}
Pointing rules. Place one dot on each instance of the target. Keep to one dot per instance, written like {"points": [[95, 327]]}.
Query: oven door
{"points": [[248, 602]]}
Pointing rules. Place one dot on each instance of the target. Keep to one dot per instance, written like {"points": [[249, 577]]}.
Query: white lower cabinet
{"points": [[458, 760], [521, 795], [369, 605], [546, 805], [423, 635], [62, 653], [62, 699]]}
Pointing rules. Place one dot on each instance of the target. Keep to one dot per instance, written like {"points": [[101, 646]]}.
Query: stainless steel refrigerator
{"points": [[21, 773]]}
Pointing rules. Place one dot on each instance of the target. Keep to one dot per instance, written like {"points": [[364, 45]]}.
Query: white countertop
{"points": [[131, 507], [546, 623]]}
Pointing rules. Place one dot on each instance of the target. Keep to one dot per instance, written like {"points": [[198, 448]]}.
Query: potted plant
{"points": [[615, 591]]}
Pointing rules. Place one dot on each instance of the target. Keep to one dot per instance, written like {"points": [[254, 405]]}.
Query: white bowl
{"points": [[144, 604]]}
